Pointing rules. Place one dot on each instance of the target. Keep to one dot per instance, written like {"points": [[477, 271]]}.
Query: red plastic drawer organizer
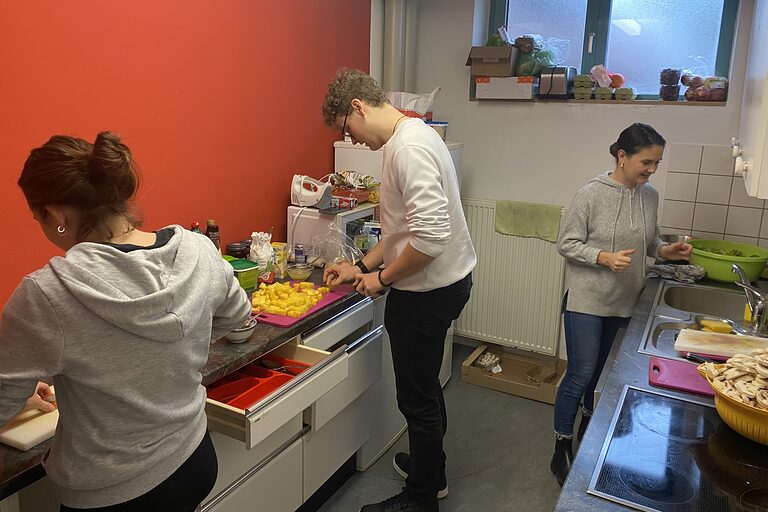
{"points": [[253, 382]]}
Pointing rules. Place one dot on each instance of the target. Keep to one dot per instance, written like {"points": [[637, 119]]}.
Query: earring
{"points": [[622, 165], [61, 230]]}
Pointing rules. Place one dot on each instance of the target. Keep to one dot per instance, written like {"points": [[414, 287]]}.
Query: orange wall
{"points": [[219, 102]]}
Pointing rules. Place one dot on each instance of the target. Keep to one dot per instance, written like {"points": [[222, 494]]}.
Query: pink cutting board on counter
{"points": [[677, 375], [286, 321]]}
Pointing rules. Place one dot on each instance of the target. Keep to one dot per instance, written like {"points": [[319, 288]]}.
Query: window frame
{"points": [[598, 16]]}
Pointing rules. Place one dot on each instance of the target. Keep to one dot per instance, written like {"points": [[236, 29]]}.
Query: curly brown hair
{"points": [[346, 86]]}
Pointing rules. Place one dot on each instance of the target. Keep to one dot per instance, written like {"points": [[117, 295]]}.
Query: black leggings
{"points": [[183, 491]]}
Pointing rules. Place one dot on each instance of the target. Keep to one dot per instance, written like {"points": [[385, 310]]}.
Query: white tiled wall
{"points": [[703, 198]]}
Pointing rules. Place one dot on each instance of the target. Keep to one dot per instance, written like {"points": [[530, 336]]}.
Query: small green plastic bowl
{"points": [[718, 266]]}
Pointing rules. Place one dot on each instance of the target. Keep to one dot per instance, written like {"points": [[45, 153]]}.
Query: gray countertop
{"points": [[19, 469], [625, 366]]}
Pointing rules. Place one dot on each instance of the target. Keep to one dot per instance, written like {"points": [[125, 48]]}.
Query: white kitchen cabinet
{"points": [[364, 368], [275, 485], [753, 125], [10, 504], [235, 460]]}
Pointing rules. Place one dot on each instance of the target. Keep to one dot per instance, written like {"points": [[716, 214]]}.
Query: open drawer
{"points": [[251, 403]]}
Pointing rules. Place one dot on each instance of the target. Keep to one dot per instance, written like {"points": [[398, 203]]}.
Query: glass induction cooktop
{"points": [[664, 454]]}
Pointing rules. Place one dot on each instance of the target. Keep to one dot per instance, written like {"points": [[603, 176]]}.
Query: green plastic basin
{"points": [[706, 253]]}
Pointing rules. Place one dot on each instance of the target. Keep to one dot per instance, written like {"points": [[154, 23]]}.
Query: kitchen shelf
{"points": [[612, 102]]}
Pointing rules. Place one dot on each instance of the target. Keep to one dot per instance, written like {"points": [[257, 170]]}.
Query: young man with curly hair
{"points": [[427, 258]]}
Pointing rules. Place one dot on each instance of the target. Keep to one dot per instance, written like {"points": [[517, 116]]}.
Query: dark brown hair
{"points": [[635, 138], [346, 86], [97, 179]]}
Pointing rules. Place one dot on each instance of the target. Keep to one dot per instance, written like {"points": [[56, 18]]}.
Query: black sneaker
{"points": [[402, 464], [401, 503]]}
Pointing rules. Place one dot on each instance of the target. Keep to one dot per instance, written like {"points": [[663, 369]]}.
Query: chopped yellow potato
{"points": [[286, 299]]}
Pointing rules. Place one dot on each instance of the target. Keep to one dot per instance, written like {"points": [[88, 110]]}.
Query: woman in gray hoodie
{"points": [[122, 323], [609, 229]]}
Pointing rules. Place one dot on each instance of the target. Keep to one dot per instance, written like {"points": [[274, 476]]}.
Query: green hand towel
{"points": [[528, 219]]}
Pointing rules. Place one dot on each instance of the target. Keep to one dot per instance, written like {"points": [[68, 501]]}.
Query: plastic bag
{"points": [[352, 179], [414, 105], [263, 255], [332, 247], [537, 53]]}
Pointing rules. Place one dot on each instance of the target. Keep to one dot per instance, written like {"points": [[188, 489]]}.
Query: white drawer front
{"points": [[235, 460], [364, 369], [261, 419], [276, 487], [338, 328]]}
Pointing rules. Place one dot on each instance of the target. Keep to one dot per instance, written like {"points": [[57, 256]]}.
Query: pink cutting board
{"points": [[286, 321], [677, 375]]}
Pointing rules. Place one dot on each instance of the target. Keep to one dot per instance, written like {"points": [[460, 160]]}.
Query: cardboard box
{"points": [[492, 60], [521, 376], [506, 88]]}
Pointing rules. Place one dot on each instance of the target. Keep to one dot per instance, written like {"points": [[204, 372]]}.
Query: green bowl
{"points": [[713, 256]]}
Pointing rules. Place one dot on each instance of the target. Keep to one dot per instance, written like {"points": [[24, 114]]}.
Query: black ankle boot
{"points": [[582, 427], [562, 459]]}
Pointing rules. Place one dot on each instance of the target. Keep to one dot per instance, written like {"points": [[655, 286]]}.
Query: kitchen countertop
{"points": [[625, 366], [19, 469]]}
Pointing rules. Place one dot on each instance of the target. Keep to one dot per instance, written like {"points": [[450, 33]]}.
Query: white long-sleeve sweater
{"points": [[421, 206]]}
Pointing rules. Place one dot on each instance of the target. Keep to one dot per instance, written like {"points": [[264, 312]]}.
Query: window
{"points": [[636, 38]]}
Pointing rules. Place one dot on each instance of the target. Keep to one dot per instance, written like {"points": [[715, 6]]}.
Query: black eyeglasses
{"points": [[344, 126]]}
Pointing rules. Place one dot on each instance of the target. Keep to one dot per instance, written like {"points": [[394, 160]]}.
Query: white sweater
{"points": [[421, 206]]}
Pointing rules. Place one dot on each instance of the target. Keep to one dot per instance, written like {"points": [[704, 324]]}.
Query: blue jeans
{"points": [[588, 339]]}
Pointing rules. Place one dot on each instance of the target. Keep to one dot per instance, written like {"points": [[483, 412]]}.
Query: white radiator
{"points": [[518, 286]]}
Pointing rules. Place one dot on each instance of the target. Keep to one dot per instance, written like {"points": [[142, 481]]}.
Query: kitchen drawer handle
{"points": [[362, 340], [340, 326], [303, 376]]}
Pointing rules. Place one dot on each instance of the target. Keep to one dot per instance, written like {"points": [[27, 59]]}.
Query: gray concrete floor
{"points": [[498, 448]]}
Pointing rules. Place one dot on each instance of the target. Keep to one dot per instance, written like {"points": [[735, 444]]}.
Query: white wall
{"points": [[543, 152]]}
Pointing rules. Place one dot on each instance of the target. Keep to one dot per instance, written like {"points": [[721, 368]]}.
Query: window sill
{"points": [[609, 102]]}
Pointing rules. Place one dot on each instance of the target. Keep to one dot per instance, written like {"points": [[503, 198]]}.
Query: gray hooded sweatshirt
{"points": [[607, 216], [123, 334]]}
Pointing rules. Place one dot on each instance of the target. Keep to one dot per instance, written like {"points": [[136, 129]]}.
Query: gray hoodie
{"points": [[604, 215], [123, 334]]}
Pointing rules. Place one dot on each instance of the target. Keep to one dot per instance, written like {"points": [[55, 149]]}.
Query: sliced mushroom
{"points": [[762, 400]]}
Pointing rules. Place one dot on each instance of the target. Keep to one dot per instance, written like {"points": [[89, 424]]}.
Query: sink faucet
{"points": [[758, 304]]}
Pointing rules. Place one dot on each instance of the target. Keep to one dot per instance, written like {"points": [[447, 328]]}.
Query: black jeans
{"points": [[183, 491], [417, 323]]}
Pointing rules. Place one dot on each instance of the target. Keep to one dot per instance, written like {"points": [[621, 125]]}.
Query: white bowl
{"points": [[242, 334]]}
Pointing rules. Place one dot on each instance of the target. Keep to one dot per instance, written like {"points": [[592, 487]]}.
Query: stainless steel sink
{"points": [[707, 301], [678, 306]]}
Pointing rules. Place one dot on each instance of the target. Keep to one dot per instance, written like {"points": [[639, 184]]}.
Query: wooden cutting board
{"points": [[716, 343], [29, 429]]}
